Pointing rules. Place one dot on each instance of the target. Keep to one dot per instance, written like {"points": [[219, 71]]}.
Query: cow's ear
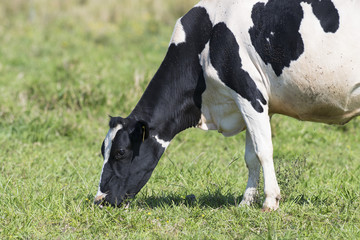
{"points": [[114, 121], [143, 127]]}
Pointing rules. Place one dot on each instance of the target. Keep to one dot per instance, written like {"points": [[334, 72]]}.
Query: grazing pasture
{"points": [[66, 65]]}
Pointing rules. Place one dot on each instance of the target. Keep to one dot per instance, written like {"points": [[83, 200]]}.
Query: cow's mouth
{"points": [[100, 201]]}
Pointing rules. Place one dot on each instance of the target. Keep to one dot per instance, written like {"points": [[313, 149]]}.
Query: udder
{"points": [[223, 116]]}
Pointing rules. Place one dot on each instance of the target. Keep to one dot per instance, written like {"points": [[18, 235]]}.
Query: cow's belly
{"points": [[313, 91], [219, 110], [326, 104]]}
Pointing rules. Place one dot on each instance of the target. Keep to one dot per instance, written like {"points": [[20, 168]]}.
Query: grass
{"points": [[66, 65]]}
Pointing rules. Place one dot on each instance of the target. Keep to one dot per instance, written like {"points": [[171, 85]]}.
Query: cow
{"points": [[229, 67]]}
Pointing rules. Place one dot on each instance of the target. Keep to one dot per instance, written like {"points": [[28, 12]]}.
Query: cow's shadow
{"points": [[211, 200], [219, 200]]}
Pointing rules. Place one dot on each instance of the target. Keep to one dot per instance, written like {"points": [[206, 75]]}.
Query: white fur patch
{"points": [[163, 143], [178, 35], [219, 109], [108, 141], [107, 145]]}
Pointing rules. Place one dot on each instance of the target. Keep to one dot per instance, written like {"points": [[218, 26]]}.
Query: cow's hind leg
{"points": [[258, 127], [259, 133], [253, 165]]}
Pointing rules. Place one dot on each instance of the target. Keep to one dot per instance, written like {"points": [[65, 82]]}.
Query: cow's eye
{"points": [[120, 154]]}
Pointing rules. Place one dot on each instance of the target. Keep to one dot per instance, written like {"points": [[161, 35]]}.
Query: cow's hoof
{"points": [[250, 196], [269, 209], [271, 204], [244, 203], [266, 209]]}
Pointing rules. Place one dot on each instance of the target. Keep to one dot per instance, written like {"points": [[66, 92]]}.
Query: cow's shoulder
{"points": [[225, 58]]}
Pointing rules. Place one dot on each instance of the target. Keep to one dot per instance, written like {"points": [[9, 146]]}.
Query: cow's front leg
{"points": [[253, 165]]}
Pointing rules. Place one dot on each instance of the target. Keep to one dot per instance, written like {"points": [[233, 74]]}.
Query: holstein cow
{"points": [[230, 66]]}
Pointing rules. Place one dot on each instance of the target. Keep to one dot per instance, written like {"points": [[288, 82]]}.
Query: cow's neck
{"points": [[172, 101]]}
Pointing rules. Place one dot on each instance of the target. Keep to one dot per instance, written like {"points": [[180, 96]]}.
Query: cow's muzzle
{"points": [[100, 200]]}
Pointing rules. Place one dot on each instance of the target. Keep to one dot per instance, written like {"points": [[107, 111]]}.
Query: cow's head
{"points": [[130, 157]]}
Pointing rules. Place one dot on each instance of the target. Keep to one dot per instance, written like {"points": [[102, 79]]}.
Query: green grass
{"points": [[64, 66]]}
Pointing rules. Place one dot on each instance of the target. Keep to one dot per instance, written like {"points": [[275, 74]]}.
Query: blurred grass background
{"points": [[60, 57]]}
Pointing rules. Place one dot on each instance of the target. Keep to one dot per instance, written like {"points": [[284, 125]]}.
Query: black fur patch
{"points": [[172, 101], [275, 34], [327, 14], [224, 56]]}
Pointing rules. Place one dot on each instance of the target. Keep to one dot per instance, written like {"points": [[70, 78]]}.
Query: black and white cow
{"points": [[229, 67]]}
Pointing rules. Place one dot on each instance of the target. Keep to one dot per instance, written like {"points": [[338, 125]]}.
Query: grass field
{"points": [[66, 65]]}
